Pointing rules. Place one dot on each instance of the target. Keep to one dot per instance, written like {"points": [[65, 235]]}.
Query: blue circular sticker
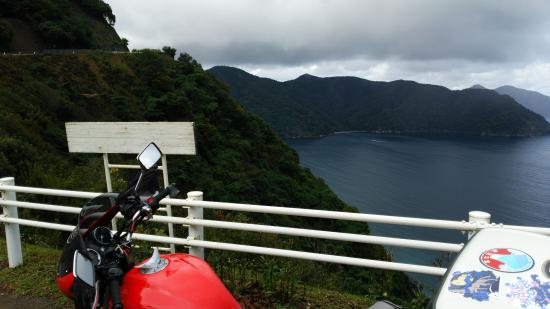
{"points": [[507, 260]]}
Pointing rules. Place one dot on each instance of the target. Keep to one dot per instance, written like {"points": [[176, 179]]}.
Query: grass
{"points": [[36, 278], [321, 298]]}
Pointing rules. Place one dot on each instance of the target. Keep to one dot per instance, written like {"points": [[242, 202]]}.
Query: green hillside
{"points": [[240, 159], [29, 26], [312, 106]]}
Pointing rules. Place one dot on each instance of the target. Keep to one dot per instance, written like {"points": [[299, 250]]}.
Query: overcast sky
{"points": [[451, 43]]}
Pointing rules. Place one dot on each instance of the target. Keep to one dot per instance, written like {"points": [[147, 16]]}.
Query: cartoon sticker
{"points": [[478, 285], [507, 260], [529, 293]]}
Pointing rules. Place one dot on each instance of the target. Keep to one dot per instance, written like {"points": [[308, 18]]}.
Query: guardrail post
{"points": [[13, 236], [196, 232], [478, 218]]}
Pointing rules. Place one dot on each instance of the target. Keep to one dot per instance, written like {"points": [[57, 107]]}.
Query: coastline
{"points": [[448, 133]]}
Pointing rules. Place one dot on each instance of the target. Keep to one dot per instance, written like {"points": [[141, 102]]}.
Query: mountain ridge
{"points": [[314, 106], [532, 100]]}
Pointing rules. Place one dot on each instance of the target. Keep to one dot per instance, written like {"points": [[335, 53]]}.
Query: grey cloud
{"points": [[429, 34], [253, 31]]}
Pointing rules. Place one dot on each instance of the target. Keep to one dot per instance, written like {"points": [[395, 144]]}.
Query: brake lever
{"points": [[136, 217], [147, 212]]}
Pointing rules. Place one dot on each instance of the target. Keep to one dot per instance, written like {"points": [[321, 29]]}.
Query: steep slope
{"points": [[309, 106], [535, 101], [29, 26], [240, 159], [274, 102]]}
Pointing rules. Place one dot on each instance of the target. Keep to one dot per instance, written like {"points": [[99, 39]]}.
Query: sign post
{"points": [[173, 138]]}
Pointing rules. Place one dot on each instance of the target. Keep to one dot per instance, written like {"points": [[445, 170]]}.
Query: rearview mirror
{"points": [[149, 157], [83, 268], [174, 191]]}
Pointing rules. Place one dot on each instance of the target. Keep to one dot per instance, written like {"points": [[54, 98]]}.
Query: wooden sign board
{"points": [[130, 137]]}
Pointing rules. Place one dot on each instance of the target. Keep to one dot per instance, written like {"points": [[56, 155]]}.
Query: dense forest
{"points": [[240, 159], [312, 106], [35, 25]]}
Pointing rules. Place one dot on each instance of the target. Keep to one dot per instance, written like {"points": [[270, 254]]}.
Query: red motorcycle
{"points": [[96, 268]]}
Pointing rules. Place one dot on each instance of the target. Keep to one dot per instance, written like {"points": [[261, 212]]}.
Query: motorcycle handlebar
{"points": [[115, 294], [137, 213], [114, 277], [170, 190]]}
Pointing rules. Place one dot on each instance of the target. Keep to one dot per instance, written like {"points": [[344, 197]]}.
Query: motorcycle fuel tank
{"points": [[179, 281]]}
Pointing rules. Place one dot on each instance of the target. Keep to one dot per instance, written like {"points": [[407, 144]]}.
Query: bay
{"points": [[434, 177]]}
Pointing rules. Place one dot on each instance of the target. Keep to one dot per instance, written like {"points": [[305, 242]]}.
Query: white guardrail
{"points": [[195, 222]]}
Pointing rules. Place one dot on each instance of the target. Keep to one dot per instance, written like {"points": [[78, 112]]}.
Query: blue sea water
{"points": [[434, 177]]}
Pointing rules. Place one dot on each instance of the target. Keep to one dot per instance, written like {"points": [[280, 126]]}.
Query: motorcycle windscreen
{"points": [[97, 212]]}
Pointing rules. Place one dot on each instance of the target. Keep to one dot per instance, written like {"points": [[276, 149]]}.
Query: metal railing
{"points": [[196, 223]]}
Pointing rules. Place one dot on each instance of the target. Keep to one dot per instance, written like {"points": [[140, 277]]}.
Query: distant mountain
{"points": [[535, 101], [477, 86], [312, 106]]}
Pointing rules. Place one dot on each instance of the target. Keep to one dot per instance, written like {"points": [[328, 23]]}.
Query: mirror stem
{"points": [[138, 182]]}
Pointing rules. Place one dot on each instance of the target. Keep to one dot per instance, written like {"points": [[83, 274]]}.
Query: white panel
{"points": [[130, 137]]}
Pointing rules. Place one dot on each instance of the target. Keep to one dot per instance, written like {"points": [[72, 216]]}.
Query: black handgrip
{"points": [[170, 190], [115, 294], [129, 208]]}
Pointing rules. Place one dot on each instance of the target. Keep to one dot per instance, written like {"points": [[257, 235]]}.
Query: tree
{"points": [[169, 51], [99, 9], [5, 36], [187, 59]]}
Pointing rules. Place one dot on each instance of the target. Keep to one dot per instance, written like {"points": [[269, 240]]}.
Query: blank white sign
{"points": [[130, 137]]}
